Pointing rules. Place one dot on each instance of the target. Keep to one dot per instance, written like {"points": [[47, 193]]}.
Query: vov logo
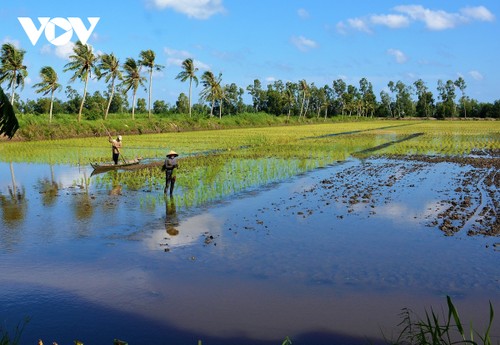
{"points": [[65, 25]]}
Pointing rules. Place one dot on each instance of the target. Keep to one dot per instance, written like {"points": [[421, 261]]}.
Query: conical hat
{"points": [[172, 153]]}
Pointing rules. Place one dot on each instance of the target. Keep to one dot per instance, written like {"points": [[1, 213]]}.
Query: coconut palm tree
{"points": [[305, 91], [109, 68], [188, 73], [8, 121], [12, 68], [132, 79], [83, 63], [212, 90], [48, 85], [147, 59]]}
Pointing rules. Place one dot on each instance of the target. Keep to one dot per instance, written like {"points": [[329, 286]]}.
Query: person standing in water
{"points": [[168, 166], [116, 146]]}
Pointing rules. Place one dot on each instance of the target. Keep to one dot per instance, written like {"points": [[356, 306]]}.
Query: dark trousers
{"points": [[115, 157], [169, 181]]}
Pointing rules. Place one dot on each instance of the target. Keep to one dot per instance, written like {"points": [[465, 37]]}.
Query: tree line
{"points": [[302, 99]]}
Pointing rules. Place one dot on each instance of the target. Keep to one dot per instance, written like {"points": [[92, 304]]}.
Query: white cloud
{"points": [[478, 13], [16, 43], [198, 9], [432, 19], [476, 75], [393, 21], [359, 24], [398, 55], [176, 57], [303, 13], [302, 43], [62, 52]]}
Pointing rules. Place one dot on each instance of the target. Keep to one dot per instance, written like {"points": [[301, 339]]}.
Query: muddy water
{"points": [[329, 257]]}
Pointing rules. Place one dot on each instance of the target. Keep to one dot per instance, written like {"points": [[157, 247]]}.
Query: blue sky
{"points": [[289, 40]]}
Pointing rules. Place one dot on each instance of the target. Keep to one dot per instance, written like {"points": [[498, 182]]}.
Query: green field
{"points": [[217, 163]]}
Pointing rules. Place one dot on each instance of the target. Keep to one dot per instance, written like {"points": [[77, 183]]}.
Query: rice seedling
{"points": [[215, 164]]}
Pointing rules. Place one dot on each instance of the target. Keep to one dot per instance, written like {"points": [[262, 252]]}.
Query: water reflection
{"points": [[14, 204], [171, 218], [49, 188]]}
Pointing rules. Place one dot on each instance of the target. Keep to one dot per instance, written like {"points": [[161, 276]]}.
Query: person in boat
{"points": [[116, 145], [169, 166]]}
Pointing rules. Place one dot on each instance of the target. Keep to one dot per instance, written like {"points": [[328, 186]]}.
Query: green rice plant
{"points": [[433, 331]]}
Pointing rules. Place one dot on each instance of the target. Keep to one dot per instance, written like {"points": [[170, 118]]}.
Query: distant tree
{"points": [[132, 79], [256, 92], [340, 88], [289, 99], [305, 94], [147, 59], [141, 106], [73, 100], [12, 69], [189, 72], [386, 102], [447, 95], [182, 103], [109, 67], [49, 84], [160, 107], [460, 83], [8, 121], [423, 101], [82, 63]]}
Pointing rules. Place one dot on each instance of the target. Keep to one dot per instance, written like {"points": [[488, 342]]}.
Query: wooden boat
{"points": [[103, 167]]}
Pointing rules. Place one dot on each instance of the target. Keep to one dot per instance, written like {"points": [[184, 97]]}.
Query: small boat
{"points": [[103, 167]]}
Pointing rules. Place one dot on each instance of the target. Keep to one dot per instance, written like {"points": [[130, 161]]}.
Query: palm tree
{"points": [[82, 62], [12, 68], [48, 85], [212, 90], [148, 60], [8, 121], [109, 67], [305, 92], [132, 79], [188, 73]]}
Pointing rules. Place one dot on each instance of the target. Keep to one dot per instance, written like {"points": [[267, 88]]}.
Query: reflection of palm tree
{"points": [[83, 204], [14, 206], [49, 189]]}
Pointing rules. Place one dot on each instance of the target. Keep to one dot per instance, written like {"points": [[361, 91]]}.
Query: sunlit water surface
{"points": [[90, 262]]}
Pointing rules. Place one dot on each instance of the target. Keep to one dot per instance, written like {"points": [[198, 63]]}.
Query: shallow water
{"points": [[93, 262]]}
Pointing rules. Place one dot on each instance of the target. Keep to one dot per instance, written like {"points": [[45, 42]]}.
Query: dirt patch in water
{"points": [[469, 206]]}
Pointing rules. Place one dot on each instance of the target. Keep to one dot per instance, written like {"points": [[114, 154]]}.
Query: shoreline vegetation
{"points": [[64, 126]]}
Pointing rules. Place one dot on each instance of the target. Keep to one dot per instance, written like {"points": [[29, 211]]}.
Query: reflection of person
{"points": [[168, 166], [116, 145], [171, 220]]}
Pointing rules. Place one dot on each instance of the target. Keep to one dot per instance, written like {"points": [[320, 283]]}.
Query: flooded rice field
{"points": [[329, 255]]}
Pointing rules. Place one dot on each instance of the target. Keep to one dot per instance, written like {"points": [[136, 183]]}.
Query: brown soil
{"points": [[472, 205]]}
